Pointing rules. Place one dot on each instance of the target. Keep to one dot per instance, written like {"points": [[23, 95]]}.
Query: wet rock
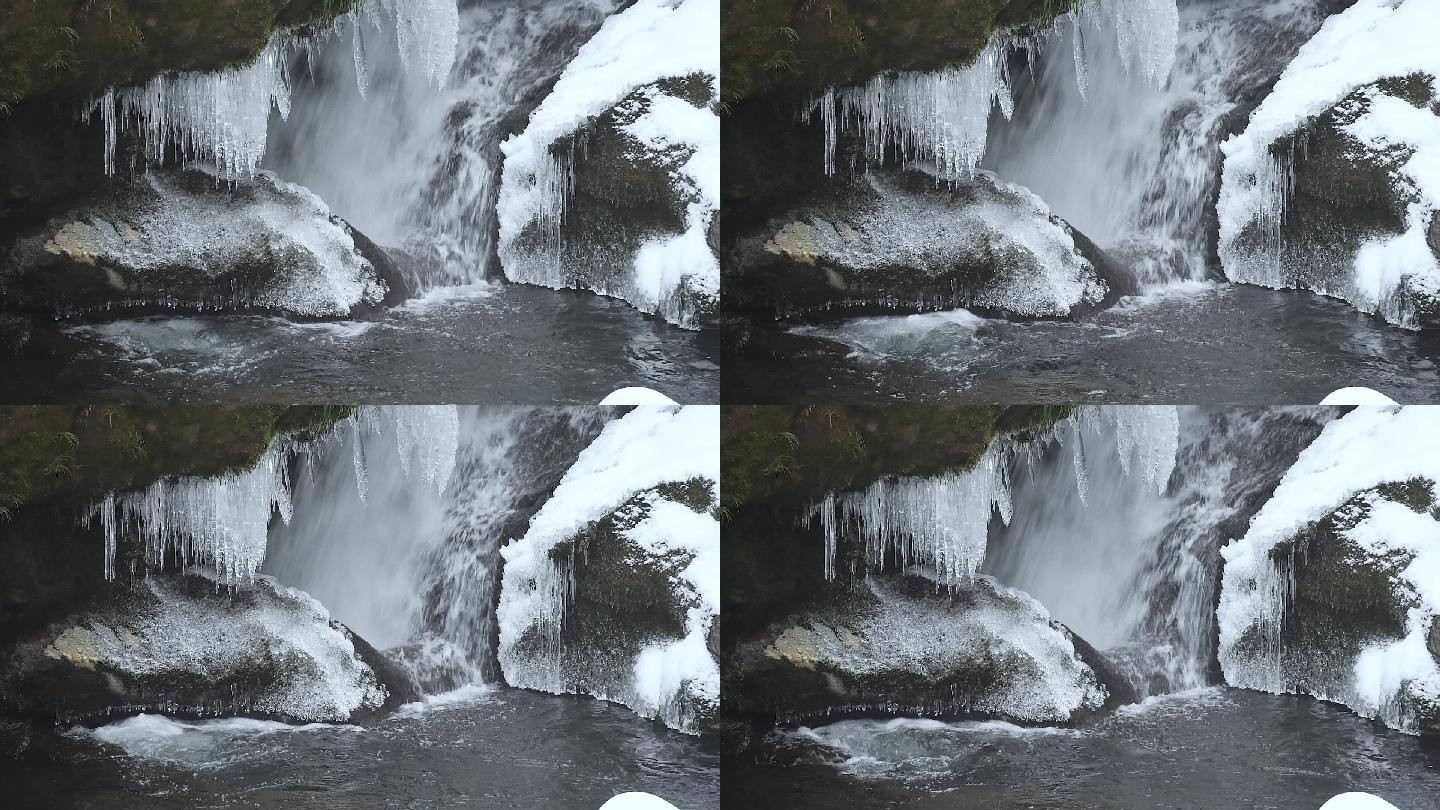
{"points": [[186, 646], [900, 242], [182, 241], [887, 647]]}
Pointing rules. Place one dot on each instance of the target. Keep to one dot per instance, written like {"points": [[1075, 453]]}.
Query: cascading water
{"points": [[1134, 164], [1134, 570], [424, 176]]}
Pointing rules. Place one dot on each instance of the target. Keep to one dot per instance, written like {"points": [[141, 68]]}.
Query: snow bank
{"points": [[1356, 396], [637, 801], [1370, 41], [1366, 448], [1357, 801], [646, 448], [647, 42]]}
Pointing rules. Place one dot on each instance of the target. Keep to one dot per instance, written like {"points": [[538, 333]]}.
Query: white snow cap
{"points": [[1346, 801], [1354, 396], [637, 396], [646, 801]]}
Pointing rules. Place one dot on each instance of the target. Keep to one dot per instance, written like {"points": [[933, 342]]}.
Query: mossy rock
{"points": [[77, 453], [795, 48]]}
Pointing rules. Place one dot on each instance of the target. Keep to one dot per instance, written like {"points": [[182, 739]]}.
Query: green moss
{"points": [[794, 455], [796, 48], [81, 452]]}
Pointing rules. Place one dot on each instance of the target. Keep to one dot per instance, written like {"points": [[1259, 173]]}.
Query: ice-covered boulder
{"points": [[901, 241], [613, 186], [889, 647], [185, 645], [1334, 184], [183, 241], [614, 589], [1334, 590]]}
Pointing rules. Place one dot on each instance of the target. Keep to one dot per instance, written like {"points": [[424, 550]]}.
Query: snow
{"points": [[645, 448], [649, 41], [941, 118], [1357, 801], [636, 396], [1367, 447], [1369, 41], [637, 801], [1356, 396], [939, 525]]}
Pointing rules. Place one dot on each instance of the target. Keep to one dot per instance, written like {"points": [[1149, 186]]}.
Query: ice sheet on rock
{"points": [[1367, 447], [1369, 41], [647, 447], [941, 118], [649, 41], [321, 678], [219, 523], [319, 272], [1044, 679], [940, 525]]}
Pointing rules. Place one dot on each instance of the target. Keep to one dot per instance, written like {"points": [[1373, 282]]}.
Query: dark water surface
{"points": [[503, 748], [1212, 749], [501, 343], [1196, 343]]}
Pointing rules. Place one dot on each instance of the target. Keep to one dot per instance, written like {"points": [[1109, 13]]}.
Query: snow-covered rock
{"points": [[1335, 182], [1356, 396], [636, 396], [614, 185], [887, 647], [1357, 801], [185, 645], [1334, 591], [614, 589], [637, 801], [899, 240], [184, 241]]}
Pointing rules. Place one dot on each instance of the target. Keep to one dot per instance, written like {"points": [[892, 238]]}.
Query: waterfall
{"points": [[941, 118], [1132, 163], [939, 526], [424, 176], [1135, 570], [222, 118]]}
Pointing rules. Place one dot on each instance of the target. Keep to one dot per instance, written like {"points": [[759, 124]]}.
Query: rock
{"points": [[1434, 237], [184, 646], [180, 241], [1327, 188], [886, 648], [614, 589], [622, 199], [1329, 591], [897, 241]]}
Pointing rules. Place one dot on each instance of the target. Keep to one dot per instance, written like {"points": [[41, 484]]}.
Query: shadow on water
{"points": [[1195, 343], [1211, 749], [502, 749], [492, 344]]}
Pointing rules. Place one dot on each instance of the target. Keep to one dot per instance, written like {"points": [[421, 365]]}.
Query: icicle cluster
{"points": [[941, 525], [942, 118], [219, 118], [427, 440], [222, 118], [221, 523]]}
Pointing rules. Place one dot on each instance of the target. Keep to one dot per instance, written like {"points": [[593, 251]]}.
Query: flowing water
{"points": [[499, 343], [493, 747], [1134, 165], [1195, 343], [1199, 750], [1133, 568]]}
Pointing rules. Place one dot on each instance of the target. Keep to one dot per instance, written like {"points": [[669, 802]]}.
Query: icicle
{"points": [[427, 439]]}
